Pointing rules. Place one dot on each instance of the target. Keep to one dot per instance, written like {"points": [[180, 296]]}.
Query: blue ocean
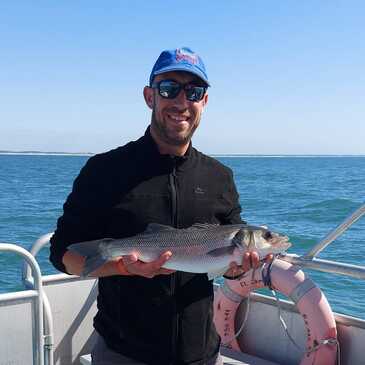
{"points": [[302, 197]]}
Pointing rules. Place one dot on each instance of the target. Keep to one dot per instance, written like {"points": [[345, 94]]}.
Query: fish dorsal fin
{"points": [[204, 225], [238, 239], [156, 227], [220, 251]]}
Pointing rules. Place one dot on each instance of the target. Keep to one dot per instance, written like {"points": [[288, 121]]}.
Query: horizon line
{"points": [[62, 153]]}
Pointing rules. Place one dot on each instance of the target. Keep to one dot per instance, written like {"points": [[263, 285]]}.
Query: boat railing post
{"points": [[28, 281], [352, 218], [310, 261], [38, 339], [36, 247], [333, 267]]}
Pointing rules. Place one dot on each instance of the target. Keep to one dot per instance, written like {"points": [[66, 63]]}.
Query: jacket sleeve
{"points": [[233, 215], [84, 212]]}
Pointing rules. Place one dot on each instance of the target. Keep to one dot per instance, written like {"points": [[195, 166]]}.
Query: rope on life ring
{"points": [[319, 321]]}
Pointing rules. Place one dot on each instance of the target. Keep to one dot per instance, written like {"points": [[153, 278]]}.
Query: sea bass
{"points": [[201, 248]]}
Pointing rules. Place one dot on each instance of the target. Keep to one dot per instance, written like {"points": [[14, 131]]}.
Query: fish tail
{"points": [[90, 248], [95, 253]]}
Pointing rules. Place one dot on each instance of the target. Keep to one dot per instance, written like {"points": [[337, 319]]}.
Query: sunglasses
{"points": [[170, 89]]}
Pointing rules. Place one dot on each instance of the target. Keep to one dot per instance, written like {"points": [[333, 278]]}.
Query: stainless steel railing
{"points": [[28, 281], [321, 245], [37, 293], [309, 260]]}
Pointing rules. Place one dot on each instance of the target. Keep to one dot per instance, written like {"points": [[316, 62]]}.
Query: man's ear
{"points": [[205, 100], [148, 96]]}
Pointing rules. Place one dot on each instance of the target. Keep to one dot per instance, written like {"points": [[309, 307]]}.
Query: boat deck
{"points": [[229, 358]]}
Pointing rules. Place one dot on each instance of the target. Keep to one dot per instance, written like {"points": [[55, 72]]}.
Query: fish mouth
{"points": [[277, 240]]}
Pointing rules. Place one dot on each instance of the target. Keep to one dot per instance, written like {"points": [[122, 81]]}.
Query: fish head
{"points": [[261, 240]]}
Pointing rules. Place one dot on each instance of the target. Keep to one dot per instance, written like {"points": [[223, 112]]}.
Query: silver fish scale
{"points": [[183, 239], [189, 247]]}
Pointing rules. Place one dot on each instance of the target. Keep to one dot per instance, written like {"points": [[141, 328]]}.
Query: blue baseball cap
{"points": [[180, 59]]}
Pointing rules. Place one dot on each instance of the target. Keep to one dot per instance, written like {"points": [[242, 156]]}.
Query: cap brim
{"points": [[184, 68]]}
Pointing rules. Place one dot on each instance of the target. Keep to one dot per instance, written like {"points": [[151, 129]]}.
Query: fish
{"points": [[201, 248]]}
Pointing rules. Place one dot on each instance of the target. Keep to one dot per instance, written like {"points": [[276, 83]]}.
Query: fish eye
{"points": [[267, 235]]}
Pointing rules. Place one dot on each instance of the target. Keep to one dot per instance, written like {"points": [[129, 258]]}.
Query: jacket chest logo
{"points": [[199, 191]]}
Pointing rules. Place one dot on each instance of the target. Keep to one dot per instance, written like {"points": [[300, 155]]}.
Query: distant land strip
{"points": [[6, 152]]}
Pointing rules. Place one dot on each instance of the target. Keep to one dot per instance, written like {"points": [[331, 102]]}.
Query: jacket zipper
{"points": [[175, 324], [172, 177]]}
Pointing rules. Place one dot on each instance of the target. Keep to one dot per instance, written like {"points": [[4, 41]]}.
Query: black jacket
{"points": [[167, 319]]}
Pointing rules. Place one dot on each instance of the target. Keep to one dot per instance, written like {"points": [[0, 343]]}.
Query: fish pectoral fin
{"points": [[215, 274], [156, 227], [220, 251], [238, 239]]}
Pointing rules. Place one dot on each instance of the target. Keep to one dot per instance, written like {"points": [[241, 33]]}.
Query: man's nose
{"points": [[181, 99]]}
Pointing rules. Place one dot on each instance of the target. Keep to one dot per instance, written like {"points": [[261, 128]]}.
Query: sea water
{"points": [[303, 197]]}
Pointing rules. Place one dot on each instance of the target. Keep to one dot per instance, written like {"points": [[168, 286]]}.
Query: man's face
{"points": [[174, 120]]}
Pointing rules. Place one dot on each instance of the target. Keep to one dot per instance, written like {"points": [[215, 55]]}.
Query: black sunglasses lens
{"points": [[195, 93], [168, 89]]}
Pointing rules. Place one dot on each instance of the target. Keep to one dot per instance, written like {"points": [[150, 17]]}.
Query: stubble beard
{"points": [[163, 133]]}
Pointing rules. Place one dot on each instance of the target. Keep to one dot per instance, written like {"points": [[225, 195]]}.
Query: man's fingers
{"points": [[255, 260], [251, 260], [246, 261], [154, 268], [129, 259], [147, 269], [156, 265]]}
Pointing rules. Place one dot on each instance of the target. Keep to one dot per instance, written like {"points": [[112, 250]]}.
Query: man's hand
{"points": [[136, 267], [250, 260]]}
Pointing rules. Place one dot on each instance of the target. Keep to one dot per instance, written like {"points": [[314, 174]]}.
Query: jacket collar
{"points": [[180, 162]]}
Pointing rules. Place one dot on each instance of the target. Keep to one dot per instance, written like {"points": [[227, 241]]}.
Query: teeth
{"points": [[177, 118]]}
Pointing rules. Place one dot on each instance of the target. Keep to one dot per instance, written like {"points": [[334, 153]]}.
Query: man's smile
{"points": [[178, 118]]}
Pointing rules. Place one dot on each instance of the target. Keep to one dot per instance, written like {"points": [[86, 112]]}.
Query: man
{"points": [[148, 314]]}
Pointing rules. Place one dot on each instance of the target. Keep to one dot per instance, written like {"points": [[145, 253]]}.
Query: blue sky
{"points": [[287, 77]]}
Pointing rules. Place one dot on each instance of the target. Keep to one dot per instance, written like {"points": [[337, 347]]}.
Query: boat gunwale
{"points": [[343, 319]]}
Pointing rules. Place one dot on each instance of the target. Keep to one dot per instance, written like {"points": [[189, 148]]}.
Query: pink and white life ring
{"points": [[292, 282]]}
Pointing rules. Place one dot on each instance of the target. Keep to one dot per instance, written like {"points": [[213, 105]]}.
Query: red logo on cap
{"points": [[182, 55]]}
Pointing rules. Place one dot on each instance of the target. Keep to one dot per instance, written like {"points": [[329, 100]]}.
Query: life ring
{"points": [[311, 303]]}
